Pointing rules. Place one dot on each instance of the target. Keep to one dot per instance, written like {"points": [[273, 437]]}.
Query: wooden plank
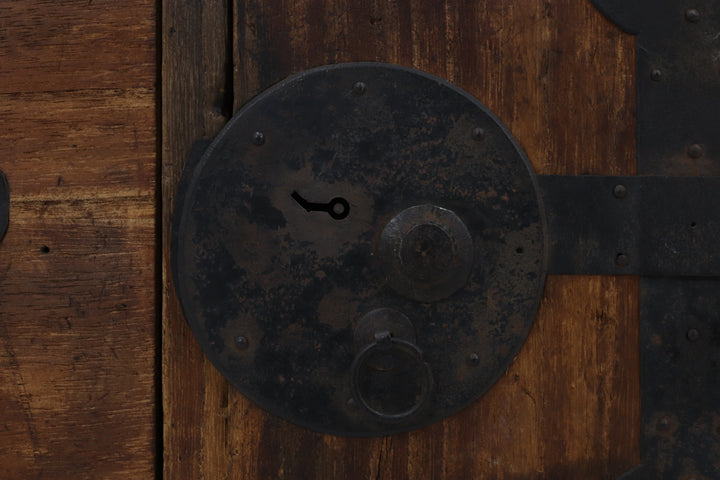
{"points": [[78, 339], [76, 45], [79, 144], [77, 323], [194, 101], [561, 78]]}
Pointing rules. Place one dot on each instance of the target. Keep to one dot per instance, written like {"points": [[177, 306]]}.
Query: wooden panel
{"points": [[78, 331], [194, 99], [46, 45], [561, 77]]}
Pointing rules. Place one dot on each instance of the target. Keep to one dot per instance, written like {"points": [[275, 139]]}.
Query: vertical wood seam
{"points": [[159, 234], [196, 99]]}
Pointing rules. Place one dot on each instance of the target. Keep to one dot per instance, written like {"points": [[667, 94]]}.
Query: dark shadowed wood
{"points": [[561, 78], [78, 283], [194, 98]]}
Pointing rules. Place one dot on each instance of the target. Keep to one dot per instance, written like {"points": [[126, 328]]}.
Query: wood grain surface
{"points": [[561, 78], [195, 105], [78, 330]]}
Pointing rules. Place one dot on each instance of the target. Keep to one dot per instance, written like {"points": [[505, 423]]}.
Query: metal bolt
{"points": [[693, 335], [478, 133], [695, 151], [359, 88], [383, 339], [622, 260], [619, 191], [258, 138], [241, 342], [656, 75], [663, 424], [692, 15], [473, 359]]}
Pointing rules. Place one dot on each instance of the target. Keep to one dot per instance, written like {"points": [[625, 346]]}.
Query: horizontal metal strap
{"points": [[635, 225]]}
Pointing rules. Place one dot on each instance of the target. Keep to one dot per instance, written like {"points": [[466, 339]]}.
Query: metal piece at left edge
{"points": [[371, 266], [4, 205]]}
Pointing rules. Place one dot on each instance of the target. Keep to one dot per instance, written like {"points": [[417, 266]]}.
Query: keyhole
{"points": [[423, 248], [338, 208]]}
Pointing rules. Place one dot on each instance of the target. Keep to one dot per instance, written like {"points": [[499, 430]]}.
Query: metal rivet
{"points": [[695, 151], [478, 133], [241, 342], [351, 404], [473, 359], [383, 339], [692, 15], [663, 424], [619, 191], [656, 75], [693, 335], [622, 260], [258, 138], [359, 88]]}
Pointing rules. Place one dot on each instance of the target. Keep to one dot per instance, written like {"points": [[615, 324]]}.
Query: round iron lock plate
{"points": [[361, 250]]}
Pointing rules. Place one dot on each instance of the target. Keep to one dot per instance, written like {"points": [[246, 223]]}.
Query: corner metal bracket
{"points": [[678, 93]]}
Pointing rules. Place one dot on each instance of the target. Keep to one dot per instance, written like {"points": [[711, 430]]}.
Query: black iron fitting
{"points": [[633, 225]]}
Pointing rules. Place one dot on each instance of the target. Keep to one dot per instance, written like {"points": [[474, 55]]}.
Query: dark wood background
{"points": [[100, 104]]}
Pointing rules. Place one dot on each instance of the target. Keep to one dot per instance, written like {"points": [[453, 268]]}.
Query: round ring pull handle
{"points": [[391, 395]]}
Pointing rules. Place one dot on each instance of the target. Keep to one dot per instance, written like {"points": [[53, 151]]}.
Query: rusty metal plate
{"points": [[633, 225], [680, 328], [361, 250], [678, 93], [678, 82]]}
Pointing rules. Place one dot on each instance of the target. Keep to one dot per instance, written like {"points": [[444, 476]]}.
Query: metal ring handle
{"points": [[387, 344]]}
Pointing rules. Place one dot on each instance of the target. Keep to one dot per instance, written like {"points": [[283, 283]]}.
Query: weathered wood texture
{"points": [[194, 101], [78, 331], [561, 77]]}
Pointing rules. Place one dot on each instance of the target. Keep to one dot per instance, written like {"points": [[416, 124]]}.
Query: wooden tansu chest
{"points": [[349, 240]]}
